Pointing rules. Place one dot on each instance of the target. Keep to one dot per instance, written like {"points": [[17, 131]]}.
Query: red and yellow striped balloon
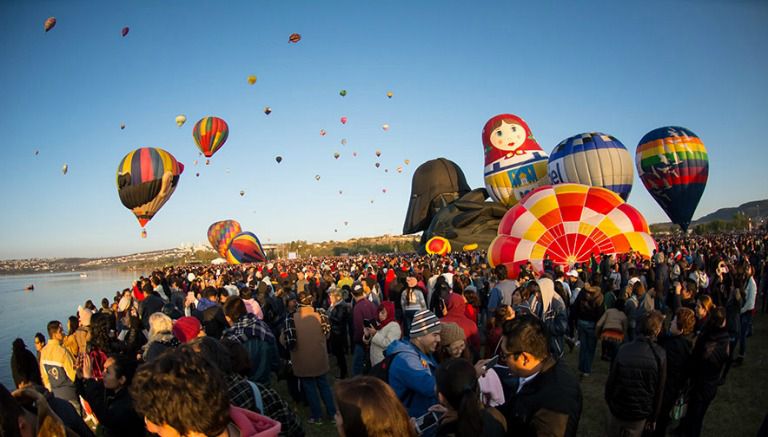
{"points": [[210, 134], [569, 223], [221, 233], [245, 248]]}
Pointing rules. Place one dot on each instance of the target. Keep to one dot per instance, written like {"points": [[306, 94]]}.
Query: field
{"points": [[738, 408]]}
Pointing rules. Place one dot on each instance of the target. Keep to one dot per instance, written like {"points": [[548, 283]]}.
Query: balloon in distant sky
{"points": [[343, 120], [251, 79], [242, 193], [180, 120], [346, 223], [407, 162], [343, 93], [386, 170], [389, 94], [207, 162], [197, 175], [378, 165], [385, 126], [146, 179], [210, 134], [384, 190], [593, 159], [340, 192], [378, 153], [294, 38], [125, 31], [37, 152], [354, 154], [49, 23], [322, 132], [399, 169], [64, 168], [317, 177], [570, 223], [336, 155], [673, 164], [343, 141], [194, 162], [122, 126], [514, 162], [221, 233], [267, 110], [279, 159]]}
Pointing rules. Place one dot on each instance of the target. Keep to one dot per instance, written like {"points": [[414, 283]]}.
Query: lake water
{"points": [[55, 297]]}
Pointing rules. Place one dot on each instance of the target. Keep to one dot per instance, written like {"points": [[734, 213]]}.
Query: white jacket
{"points": [[382, 339]]}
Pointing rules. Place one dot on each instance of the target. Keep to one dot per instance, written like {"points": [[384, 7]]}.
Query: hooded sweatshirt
{"points": [[412, 377], [456, 306]]}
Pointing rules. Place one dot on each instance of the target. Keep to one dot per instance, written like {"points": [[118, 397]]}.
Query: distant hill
{"points": [[756, 210]]}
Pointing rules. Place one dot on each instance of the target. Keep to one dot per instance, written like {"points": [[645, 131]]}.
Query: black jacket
{"points": [[550, 404], [588, 305], [150, 305], [213, 321], [114, 411], [678, 349], [635, 383], [24, 367], [709, 357]]}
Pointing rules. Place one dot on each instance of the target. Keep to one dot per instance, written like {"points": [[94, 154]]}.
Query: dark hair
{"points": [[686, 320], [183, 390], [74, 323], [40, 337], [501, 272], [650, 323], [209, 292], [371, 282], [456, 380], [357, 292], [105, 303], [361, 402], [221, 292], [234, 308], [238, 357], [9, 414], [89, 305], [596, 280], [213, 351], [125, 366], [18, 346], [246, 293], [100, 325], [526, 333], [307, 298], [53, 327]]}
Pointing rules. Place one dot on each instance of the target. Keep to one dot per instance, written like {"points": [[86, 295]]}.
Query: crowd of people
{"points": [[429, 345]]}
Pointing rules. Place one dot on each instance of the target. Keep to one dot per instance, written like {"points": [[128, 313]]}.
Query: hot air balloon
{"points": [[386, 170], [399, 169], [569, 223], [438, 246], [594, 159], [384, 190], [37, 152], [673, 164], [340, 192], [389, 94], [125, 31], [267, 110], [180, 120], [354, 154], [407, 162], [251, 79], [343, 120], [49, 23], [346, 223], [378, 165], [194, 162], [279, 159], [317, 177], [122, 126], [514, 162], [378, 153], [322, 132], [343, 93], [64, 168], [242, 193], [335, 230], [197, 175], [343, 141], [221, 233], [336, 155], [385, 126], [210, 134], [469, 247], [294, 38], [146, 179]]}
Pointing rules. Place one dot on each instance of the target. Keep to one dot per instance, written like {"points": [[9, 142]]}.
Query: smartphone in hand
{"points": [[427, 421], [492, 362]]}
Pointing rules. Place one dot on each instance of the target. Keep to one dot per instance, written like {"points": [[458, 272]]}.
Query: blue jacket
{"points": [[412, 377]]}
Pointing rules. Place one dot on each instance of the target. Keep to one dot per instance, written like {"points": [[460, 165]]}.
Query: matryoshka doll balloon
{"points": [[515, 164]]}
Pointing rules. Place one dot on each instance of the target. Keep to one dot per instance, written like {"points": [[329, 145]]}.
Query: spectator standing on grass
{"points": [[339, 314], [587, 310], [635, 384], [385, 331], [362, 310], [255, 336], [411, 299]]}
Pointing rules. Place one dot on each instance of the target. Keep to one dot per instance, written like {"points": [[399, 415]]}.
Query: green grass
{"points": [[738, 408]]}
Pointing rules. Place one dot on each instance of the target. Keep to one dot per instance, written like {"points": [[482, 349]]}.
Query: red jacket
{"points": [[456, 307]]}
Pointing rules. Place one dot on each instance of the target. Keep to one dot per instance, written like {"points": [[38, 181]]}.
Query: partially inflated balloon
{"points": [[245, 248], [594, 159], [210, 134], [180, 120], [49, 23], [221, 233], [569, 223], [294, 38], [125, 31], [146, 179], [515, 164], [438, 246], [673, 164], [251, 79]]}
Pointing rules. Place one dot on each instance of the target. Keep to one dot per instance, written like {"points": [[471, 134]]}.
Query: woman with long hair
{"points": [[463, 413], [368, 407]]}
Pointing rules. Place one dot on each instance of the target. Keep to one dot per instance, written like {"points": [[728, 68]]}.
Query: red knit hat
{"points": [[186, 329]]}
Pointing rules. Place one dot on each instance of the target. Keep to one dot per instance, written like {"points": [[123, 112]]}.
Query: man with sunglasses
{"points": [[548, 398]]}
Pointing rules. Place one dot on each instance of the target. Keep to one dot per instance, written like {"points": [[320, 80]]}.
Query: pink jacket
{"points": [[253, 424]]}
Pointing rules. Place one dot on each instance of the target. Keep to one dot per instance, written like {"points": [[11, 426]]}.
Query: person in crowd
{"points": [[385, 331], [455, 307], [305, 337], [361, 402], [453, 343], [549, 307], [151, 304], [109, 398], [362, 310], [611, 329], [77, 337], [161, 337], [210, 313], [463, 414], [39, 344], [746, 274], [133, 336], [412, 369], [587, 310], [27, 413], [187, 329], [24, 366], [339, 314], [251, 304], [255, 336], [548, 400], [635, 384], [57, 366], [704, 308], [677, 345], [493, 334], [412, 299], [196, 403], [709, 356]]}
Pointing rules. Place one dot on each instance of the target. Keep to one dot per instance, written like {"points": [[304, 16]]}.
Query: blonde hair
{"points": [[159, 322]]}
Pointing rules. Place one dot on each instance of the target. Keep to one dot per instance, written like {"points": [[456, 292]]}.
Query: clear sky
{"points": [[619, 67]]}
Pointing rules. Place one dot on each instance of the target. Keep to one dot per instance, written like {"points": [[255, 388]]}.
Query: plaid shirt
{"points": [[249, 326], [241, 395], [290, 328]]}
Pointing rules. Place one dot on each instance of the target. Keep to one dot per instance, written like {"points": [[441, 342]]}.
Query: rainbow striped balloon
{"points": [[210, 134], [221, 233], [245, 248], [673, 164]]}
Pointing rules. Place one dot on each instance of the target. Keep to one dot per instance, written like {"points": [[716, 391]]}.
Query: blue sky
{"points": [[622, 68]]}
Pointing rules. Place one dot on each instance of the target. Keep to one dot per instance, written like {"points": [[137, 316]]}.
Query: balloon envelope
{"points": [[279, 159], [673, 164], [251, 79], [245, 247], [343, 120], [221, 233], [438, 246], [294, 38], [146, 179], [569, 223], [49, 23], [593, 159], [210, 134], [125, 31]]}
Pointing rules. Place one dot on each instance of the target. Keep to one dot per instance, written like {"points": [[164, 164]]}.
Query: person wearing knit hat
{"points": [[452, 341], [412, 369], [187, 328]]}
